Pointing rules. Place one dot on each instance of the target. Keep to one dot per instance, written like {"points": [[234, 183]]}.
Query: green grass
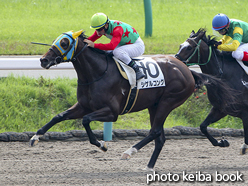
{"points": [[27, 104], [25, 21]]}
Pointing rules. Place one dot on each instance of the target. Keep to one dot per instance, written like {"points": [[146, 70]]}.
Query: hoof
{"points": [[147, 169], [104, 146], [125, 156], [243, 149], [34, 140], [224, 143], [128, 153]]}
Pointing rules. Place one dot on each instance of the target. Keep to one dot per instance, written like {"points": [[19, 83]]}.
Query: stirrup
{"points": [[138, 72], [139, 75]]}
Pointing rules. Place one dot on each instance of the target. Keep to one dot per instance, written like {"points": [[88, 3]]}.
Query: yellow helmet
{"points": [[98, 20]]}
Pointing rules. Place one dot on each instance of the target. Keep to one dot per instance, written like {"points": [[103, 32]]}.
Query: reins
{"points": [[74, 58], [105, 71], [218, 64]]}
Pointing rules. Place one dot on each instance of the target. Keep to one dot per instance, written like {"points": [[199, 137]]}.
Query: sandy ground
{"points": [[181, 162]]}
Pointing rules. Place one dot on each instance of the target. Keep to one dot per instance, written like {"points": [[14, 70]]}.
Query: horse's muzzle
{"points": [[45, 63], [180, 58]]}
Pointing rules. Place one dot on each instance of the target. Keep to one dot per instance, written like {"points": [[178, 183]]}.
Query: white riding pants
{"points": [[126, 52], [239, 53]]}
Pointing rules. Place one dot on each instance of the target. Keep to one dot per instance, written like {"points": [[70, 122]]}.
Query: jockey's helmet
{"points": [[98, 20], [220, 21]]}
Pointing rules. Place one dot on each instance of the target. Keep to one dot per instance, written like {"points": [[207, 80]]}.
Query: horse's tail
{"points": [[220, 95]]}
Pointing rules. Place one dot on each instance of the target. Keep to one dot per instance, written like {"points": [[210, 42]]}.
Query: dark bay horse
{"points": [[102, 91], [199, 49]]}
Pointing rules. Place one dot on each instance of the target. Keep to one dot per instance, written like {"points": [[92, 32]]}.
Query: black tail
{"points": [[220, 94]]}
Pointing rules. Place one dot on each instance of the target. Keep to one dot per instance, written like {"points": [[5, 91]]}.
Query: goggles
{"points": [[100, 29]]}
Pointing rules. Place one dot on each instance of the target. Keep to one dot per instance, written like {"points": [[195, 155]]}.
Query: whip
{"points": [[41, 44]]}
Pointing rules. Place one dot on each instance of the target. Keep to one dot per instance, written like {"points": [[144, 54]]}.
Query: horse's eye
{"points": [[189, 47], [64, 45]]}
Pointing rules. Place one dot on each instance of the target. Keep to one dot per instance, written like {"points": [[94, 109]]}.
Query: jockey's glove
{"points": [[217, 44]]}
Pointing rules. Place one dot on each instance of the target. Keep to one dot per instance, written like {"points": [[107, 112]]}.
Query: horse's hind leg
{"points": [[244, 147], [159, 143], [212, 117], [157, 119], [75, 112]]}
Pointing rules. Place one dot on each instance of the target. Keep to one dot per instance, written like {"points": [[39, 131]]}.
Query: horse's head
{"points": [[62, 49], [191, 46]]}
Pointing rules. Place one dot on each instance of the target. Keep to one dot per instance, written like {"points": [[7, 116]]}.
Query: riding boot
{"points": [[245, 59], [139, 73]]}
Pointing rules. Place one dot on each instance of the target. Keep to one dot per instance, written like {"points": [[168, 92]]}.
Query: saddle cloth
{"points": [[153, 74], [126, 71]]}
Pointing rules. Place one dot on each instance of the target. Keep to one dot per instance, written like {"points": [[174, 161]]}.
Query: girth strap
{"points": [[131, 100]]}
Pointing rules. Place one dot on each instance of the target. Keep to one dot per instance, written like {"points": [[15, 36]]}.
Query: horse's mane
{"points": [[210, 40], [82, 36]]}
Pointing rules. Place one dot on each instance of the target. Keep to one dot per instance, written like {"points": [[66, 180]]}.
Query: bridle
{"points": [[73, 46], [197, 48], [71, 50]]}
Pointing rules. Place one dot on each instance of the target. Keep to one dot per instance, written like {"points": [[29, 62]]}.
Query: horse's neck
{"points": [[215, 65], [90, 65]]}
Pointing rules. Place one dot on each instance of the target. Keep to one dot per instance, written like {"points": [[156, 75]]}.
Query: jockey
{"points": [[232, 29], [125, 40]]}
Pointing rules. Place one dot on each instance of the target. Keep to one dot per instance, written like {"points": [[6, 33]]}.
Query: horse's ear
{"points": [[202, 33], [76, 34], [192, 33]]}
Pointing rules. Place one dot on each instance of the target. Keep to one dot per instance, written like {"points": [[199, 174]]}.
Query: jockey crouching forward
{"points": [[232, 29], [125, 40]]}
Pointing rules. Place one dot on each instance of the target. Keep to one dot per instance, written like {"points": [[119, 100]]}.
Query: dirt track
{"points": [[79, 163]]}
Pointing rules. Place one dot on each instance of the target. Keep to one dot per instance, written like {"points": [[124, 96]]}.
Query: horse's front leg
{"points": [[75, 112], [104, 115], [212, 117]]}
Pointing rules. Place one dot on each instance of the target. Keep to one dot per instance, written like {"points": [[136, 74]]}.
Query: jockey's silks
{"points": [[130, 35], [238, 31]]}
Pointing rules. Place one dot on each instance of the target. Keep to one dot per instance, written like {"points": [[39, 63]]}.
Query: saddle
{"points": [[243, 64], [126, 71]]}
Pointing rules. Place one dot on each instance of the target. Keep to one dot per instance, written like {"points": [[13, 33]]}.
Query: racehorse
{"points": [[199, 49], [102, 92]]}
